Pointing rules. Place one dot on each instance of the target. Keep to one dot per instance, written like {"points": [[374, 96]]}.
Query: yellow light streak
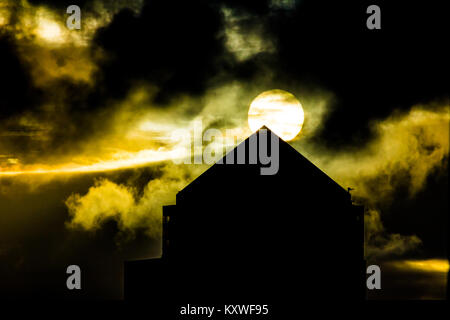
{"points": [[430, 265], [123, 161]]}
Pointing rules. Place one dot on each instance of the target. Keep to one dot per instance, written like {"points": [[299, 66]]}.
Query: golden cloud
{"points": [[48, 47], [107, 200], [415, 143], [407, 147]]}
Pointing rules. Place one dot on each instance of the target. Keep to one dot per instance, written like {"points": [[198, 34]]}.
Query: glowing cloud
{"points": [[107, 200], [407, 147]]}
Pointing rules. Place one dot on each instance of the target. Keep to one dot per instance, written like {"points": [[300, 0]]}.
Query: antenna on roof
{"points": [[348, 190]]}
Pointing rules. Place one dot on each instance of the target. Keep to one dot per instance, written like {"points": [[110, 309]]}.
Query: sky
{"points": [[87, 120]]}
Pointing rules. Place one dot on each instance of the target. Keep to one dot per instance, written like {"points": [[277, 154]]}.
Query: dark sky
{"points": [[180, 49]]}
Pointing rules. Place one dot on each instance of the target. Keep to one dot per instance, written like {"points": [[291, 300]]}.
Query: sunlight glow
{"points": [[123, 161], [49, 30]]}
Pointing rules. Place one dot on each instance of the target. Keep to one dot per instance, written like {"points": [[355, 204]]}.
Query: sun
{"points": [[279, 110]]}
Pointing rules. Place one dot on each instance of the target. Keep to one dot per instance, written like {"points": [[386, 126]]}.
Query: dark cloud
{"points": [[179, 47], [248, 6], [176, 45], [326, 43], [16, 90], [59, 4], [426, 213]]}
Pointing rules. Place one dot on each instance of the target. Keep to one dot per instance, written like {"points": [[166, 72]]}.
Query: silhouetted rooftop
{"points": [[290, 160]]}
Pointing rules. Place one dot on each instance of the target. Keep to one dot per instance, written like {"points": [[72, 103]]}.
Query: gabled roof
{"points": [[292, 165]]}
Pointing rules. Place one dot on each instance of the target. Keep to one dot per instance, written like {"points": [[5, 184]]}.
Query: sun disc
{"points": [[279, 110]]}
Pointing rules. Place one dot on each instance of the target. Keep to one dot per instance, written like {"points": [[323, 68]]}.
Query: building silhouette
{"points": [[236, 236]]}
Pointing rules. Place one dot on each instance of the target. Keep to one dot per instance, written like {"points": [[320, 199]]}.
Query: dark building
{"points": [[237, 236]]}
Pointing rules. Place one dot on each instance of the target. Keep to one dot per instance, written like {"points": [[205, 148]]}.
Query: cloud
{"points": [[104, 200], [49, 85], [107, 95], [245, 36], [68, 94], [132, 211], [406, 149], [382, 244]]}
